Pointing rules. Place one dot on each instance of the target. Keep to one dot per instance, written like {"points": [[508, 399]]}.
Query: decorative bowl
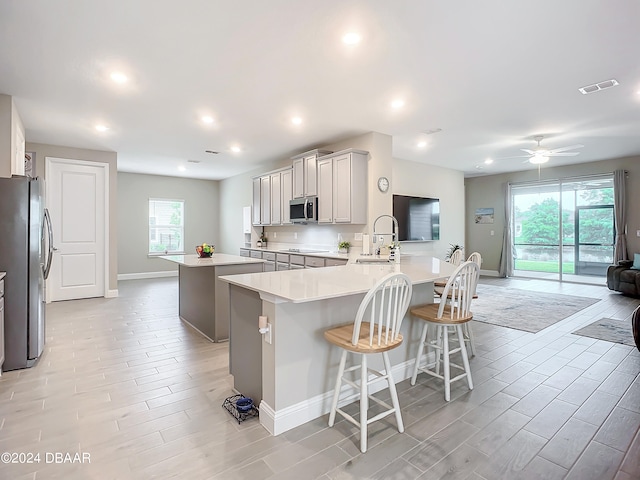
{"points": [[244, 404], [205, 250]]}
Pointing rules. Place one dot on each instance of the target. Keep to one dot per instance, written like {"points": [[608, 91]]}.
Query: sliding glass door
{"points": [[564, 228]]}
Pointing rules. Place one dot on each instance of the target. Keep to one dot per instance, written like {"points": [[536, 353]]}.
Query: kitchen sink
{"points": [[372, 260]]}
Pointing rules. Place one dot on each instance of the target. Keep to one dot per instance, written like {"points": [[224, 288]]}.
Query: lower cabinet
{"points": [[285, 261]]}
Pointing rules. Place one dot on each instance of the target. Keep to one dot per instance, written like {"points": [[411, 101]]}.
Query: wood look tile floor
{"points": [[125, 382]]}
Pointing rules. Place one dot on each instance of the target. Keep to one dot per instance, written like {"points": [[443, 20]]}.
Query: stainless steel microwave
{"points": [[303, 210]]}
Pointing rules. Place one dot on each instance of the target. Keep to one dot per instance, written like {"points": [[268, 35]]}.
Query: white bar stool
{"points": [[376, 329]]}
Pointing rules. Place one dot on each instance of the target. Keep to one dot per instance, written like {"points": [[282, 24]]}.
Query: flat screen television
{"points": [[418, 218]]}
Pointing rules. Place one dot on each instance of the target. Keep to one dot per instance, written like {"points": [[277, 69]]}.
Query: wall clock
{"points": [[383, 184]]}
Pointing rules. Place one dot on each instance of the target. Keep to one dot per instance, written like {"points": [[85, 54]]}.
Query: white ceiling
{"points": [[491, 74]]}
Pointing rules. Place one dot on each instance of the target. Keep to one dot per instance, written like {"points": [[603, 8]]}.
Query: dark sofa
{"points": [[622, 278]]}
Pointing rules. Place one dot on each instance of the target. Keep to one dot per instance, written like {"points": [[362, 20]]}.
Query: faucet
{"points": [[393, 234]]}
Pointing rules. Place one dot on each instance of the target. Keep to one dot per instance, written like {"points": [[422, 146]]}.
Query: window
{"points": [[166, 226]]}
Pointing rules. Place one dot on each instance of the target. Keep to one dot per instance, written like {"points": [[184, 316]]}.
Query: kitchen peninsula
{"points": [[203, 298], [291, 372]]}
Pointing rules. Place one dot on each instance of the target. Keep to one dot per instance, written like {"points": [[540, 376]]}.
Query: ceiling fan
{"points": [[541, 154]]}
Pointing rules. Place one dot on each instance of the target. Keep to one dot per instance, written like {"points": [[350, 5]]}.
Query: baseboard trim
{"points": [[111, 293], [490, 273], [280, 421], [143, 275]]}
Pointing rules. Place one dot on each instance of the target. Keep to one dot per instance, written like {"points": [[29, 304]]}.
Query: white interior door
{"points": [[77, 202]]}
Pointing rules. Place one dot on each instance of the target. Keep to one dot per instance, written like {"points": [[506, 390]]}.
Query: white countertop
{"points": [[216, 259], [307, 285]]}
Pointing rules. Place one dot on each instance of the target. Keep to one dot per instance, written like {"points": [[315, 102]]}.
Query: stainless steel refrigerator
{"points": [[25, 254]]}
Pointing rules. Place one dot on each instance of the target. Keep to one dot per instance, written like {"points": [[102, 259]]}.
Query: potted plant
{"points": [[343, 247], [453, 247]]}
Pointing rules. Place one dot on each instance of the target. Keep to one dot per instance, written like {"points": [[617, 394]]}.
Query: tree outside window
{"points": [[166, 226]]}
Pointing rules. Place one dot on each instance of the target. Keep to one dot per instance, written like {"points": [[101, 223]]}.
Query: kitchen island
{"points": [[292, 377], [203, 298]]}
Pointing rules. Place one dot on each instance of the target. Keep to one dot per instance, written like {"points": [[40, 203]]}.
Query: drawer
{"points": [[269, 256], [293, 266], [255, 254], [1, 287], [296, 259], [269, 267], [245, 253], [282, 266], [334, 262], [313, 262], [282, 257]]}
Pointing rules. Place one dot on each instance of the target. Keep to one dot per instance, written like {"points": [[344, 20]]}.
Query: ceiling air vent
{"points": [[193, 161], [212, 152], [596, 87]]}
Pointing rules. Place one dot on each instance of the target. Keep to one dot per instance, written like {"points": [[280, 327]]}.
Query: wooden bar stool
{"points": [[467, 329], [376, 329], [443, 317]]}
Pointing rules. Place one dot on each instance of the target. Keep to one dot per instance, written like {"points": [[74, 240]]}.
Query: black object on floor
{"points": [[242, 411]]}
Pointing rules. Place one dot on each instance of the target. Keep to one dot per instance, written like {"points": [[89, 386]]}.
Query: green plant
{"points": [[344, 245], [453, 248]]}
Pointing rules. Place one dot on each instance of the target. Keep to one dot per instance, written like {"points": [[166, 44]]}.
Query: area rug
{"points": [[609, 330], [524, 310]]}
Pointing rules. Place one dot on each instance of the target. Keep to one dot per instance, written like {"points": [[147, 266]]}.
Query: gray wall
{"points": [[201, 223], [411, 178], [42, 151], [487, 191]]}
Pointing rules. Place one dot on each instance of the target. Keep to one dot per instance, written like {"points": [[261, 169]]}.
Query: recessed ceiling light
{"points": [[207, 119], [296, 120], [351, 38], [102, 128], [488, 161], [422, 144], [182, 168], [235, 149], [397, 103], [119, 77]]}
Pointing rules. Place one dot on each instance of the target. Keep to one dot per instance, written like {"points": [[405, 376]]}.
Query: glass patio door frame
{"points": [[558, 184]]}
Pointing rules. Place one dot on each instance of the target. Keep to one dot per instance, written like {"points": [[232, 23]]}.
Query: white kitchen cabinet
{"points": [[325, 191], [305, 173], [255, 218], [298, 178], [276, 198], [342, 187], [265, 200], [286, 188], [246, 219], [271, 195]]}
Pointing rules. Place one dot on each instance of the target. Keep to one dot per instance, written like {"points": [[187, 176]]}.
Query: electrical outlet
{"points": [[358, 236], [295, 234], [275, 234], [381, 238]]}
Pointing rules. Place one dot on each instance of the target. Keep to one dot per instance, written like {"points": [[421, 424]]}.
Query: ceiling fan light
{"points": [[538, 159]]}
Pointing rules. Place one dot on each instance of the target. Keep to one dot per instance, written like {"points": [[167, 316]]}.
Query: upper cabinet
{"points": [[271, 195], [342, 187], [12, 139], [286, 186], [305, 173]]}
